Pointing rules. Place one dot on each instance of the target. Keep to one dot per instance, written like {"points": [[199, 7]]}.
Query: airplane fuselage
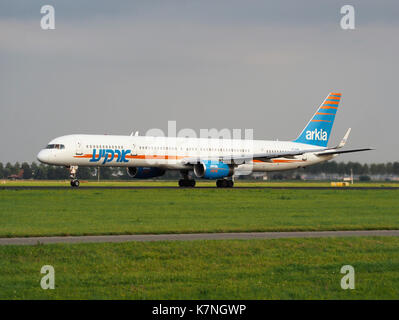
{"points": [[168, 152]]}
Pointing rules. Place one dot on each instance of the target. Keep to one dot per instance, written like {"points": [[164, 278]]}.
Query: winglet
{"points": [[344, 139]]}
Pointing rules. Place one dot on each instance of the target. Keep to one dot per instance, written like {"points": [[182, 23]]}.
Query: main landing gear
{"points": [[224, 183], [186, 181], [189, 182], [72, 174]]}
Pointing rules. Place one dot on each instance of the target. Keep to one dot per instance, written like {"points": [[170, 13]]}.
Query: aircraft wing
{"points": [[239, 159], [257, 156]]}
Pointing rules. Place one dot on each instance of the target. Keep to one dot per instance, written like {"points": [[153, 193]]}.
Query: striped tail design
{"points": [[317, 131]]}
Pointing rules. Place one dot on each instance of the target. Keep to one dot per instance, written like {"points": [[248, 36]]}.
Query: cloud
{"points": [[116, 72]]}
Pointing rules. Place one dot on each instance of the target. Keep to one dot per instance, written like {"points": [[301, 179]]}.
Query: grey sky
{"points": [[133, 65]]}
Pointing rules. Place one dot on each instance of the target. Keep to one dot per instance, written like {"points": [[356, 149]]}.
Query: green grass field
{"points": [[200, 183], [226, 269], [246, 269], [84, 212]]}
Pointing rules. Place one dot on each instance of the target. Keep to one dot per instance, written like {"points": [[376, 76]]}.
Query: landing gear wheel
{"points": [[224, 183], [72, 174], [75, 183], [187, 183]]}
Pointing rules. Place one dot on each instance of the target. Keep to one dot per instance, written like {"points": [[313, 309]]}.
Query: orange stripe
{"points": [[320, 121], [140, 156], [331, 114], [84, 156], [180, 157], [337, 94], [328, 107], [284, 161], [331, 102], [147, 156]]}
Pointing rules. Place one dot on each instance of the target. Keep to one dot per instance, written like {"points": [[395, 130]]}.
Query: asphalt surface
{"points": [[196, 236], [171, 187]]}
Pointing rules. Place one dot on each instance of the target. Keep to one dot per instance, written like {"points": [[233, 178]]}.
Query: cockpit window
{"points": [[55, 146]]}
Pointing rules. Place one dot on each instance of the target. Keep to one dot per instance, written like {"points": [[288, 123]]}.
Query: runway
{"points": [[197, 236], [196, 188]]}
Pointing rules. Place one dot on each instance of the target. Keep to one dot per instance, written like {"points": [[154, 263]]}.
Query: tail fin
{"points": [[317, 131]]}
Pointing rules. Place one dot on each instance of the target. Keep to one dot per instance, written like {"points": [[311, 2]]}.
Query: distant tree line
{"points": [[333, 167], [46, 172], [330, 168]]}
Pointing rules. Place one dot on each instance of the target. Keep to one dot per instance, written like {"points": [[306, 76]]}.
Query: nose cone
{"points": [[43, 156]]}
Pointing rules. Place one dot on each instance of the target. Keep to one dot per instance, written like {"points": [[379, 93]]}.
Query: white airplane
{"points": [[220, 159]]}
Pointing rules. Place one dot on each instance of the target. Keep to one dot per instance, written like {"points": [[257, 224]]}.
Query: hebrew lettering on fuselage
{"points": [[109, 155]]}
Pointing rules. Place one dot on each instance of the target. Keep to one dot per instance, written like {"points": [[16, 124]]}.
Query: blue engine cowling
{"points": [[144, 172], [213, 170]]}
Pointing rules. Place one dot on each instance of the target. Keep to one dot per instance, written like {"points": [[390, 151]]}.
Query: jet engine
{"points": [[213, 170]]}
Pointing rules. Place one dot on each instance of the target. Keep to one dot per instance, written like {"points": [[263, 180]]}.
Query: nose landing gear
{"points": [[72, 174], [75, 183]]}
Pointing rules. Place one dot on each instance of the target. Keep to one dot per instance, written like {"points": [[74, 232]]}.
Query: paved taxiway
{"points": [[199, 187], [197, 236]]}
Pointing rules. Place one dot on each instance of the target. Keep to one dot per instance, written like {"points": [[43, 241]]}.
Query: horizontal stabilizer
{"points": [[341, 151]]}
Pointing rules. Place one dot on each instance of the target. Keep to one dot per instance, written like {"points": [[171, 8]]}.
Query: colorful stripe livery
{"points": [[317, 132]]}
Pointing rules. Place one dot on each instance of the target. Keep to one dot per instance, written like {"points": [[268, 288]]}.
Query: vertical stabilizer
{"points": [[317, 131]]}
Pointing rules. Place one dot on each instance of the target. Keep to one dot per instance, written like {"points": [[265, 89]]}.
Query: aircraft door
{"points": [[134, 150], [79, 150]]}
